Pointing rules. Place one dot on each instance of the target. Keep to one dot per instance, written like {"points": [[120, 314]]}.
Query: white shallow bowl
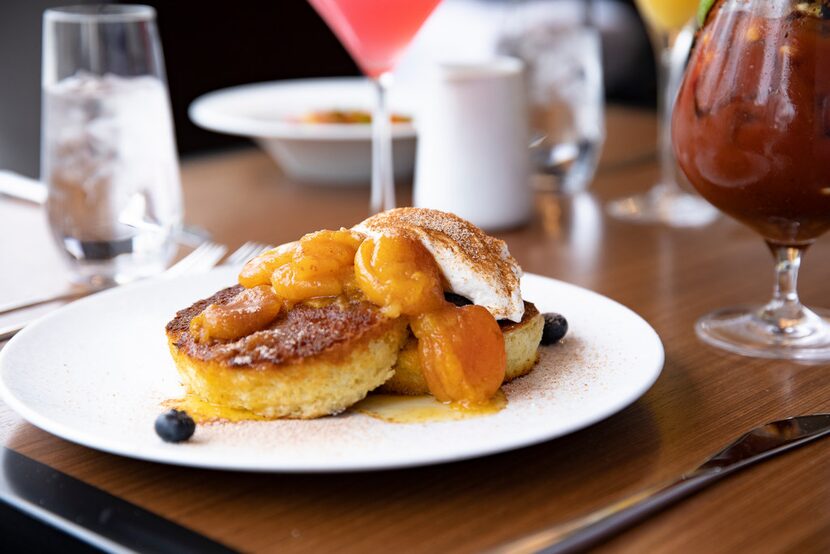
{"points": [[328, 154]]}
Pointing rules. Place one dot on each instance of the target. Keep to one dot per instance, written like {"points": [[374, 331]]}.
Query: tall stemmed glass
{"points": [[751, 130], [375, 32], [666, 202]]}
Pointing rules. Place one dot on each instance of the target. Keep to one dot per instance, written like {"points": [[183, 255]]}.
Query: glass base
{"points": [[102, 264], [741, 331], [105, 275], [665, 204]]}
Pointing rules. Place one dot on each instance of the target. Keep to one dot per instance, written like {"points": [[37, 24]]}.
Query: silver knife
{"points": [[91, 515], [759, 444]]}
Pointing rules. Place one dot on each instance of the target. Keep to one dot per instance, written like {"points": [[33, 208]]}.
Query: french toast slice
{"points": [[310, 362], [521, 342]]}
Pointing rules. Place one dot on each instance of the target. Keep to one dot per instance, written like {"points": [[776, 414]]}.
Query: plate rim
{"points": [[85, 439], [203, 112]]}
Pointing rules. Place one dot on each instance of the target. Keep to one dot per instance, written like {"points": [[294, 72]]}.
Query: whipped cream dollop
{"points": [[475, 265]]}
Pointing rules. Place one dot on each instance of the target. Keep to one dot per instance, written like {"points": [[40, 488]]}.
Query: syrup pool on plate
{"points": [[424, 409], [205, 412], [387, 407]]}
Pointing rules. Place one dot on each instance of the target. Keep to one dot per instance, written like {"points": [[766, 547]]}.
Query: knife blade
{"points": [[90, 514], [758, 444]]}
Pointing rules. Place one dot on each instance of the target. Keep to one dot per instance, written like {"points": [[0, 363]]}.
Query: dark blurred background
{"points": [[213, 44]]}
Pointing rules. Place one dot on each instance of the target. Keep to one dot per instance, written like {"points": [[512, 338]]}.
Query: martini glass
{"points": [[671, 36], [376, 32], [752, 132]]}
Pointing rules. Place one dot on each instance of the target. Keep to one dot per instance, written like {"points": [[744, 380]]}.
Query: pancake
{"points": [[334, 345], [313, 360], [521, 343]]}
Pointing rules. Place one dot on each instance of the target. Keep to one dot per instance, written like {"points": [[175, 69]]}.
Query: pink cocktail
{"points": [[375, 32]]}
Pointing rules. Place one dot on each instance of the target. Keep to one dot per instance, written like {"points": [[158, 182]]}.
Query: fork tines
{"points": [[246, 252], [204, 257]]}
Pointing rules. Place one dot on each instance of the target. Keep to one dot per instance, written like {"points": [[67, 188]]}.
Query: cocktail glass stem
{"points": [[783, 328], [383, 182], [666, 91], [784, 314], [666, 202]]}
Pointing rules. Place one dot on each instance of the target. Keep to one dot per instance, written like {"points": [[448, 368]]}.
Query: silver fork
{"points": [[245, 253], [205, 256]]}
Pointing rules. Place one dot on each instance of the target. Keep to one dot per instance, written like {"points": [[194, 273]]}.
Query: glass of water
{"points": [[566, 98], [108, 152]]}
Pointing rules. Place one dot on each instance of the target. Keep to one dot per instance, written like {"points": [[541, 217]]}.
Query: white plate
{"points": [[96, 372], [309, 152]]}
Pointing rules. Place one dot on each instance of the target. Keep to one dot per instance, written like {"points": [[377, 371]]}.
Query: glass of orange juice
{"points": [[668, 23]]}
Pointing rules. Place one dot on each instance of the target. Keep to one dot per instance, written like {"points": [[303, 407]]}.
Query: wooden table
{"points": [[703, 399]]}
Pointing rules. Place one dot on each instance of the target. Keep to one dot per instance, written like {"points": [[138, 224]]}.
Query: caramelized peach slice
{"points": [[259, 269], [321, 265], [399, 275], [249, 311], [461, 352]]}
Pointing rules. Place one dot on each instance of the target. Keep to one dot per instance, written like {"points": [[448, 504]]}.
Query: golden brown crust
{"points": [[181, 322], [310, 362], [312, 388], [527, 319], [296, 335]]}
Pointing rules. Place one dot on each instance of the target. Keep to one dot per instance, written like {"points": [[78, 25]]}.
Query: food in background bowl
{"points": [[347, 117]]}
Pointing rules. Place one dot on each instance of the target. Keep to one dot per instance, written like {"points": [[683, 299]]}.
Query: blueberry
{"points": [[175, 426], [456, 299], [555, 328]]}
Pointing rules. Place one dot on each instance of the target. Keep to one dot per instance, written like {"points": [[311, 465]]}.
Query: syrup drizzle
{"points": [[425, 409], [206, 412]]}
